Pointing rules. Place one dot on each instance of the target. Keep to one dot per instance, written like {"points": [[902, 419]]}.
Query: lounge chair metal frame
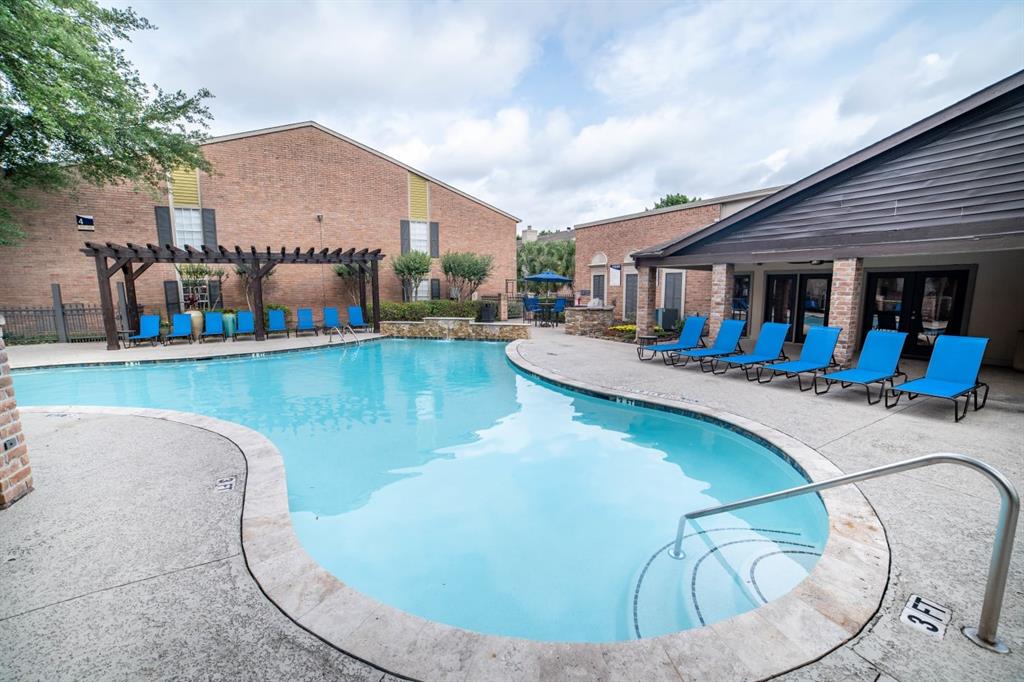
{"points": [[746, 366], [867, 385], [833, 364], [640, 350], [958, 414]]}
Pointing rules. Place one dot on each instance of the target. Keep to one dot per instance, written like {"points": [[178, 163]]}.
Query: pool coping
{"points": [[824, 611]]}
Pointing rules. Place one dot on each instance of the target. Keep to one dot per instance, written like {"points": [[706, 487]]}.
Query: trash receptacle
{"points": [[489, 312]]}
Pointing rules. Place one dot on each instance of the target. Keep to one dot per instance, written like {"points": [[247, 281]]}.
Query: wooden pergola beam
{"points": [[259, 262]]}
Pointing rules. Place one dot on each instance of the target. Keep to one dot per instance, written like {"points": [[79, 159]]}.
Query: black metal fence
{"points": [[39, 324]]}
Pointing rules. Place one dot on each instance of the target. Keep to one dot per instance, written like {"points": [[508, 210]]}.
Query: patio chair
{"points": [[727, 342], [331, 320], [952, 373], [304, 321], [276, 324], [878, 363], [531, 307], [557, 310], [245, 325], [690, 336], [181, 328], [816, 356], [769, 348], [213, 326], [149, 330], [355, 319]]}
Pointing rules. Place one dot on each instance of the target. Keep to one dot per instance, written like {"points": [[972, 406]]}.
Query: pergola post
{"points": [[129, 295], [362, 292], [375, 289], [257, 303], [107, 303]]}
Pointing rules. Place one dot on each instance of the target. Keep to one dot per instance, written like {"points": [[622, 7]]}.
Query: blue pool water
{"points": [[434, 477]]}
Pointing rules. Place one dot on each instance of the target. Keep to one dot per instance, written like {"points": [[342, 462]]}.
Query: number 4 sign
{"points": [[926, 616]]}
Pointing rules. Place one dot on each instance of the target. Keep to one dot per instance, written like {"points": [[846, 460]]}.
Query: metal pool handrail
{"points": [[341, 335], [1009, 509]]}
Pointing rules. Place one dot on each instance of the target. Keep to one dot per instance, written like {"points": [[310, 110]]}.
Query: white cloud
{"points": [[568, 113]]}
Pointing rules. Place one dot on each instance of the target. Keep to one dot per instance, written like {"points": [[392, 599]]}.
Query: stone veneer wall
{"points": [[456, 328], [15, 471], [589, 321]]}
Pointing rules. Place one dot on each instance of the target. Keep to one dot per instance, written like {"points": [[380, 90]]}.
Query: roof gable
{"points": [[360, 145], [956, 175]]}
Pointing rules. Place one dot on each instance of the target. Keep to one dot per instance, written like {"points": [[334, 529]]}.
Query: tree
{"points": [[349, 275], [247, 280], [534, 257], [673, 200], [73, 108], [465, 272], [411, 268]]}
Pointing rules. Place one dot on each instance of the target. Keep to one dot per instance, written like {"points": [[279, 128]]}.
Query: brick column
{"points": [[15, 471], [646, 298], [721, 296], [503, 307], [844, 305]]}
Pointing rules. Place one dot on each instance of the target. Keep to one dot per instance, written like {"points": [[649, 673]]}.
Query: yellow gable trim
{"points": [[418, 198], [185, 187]]}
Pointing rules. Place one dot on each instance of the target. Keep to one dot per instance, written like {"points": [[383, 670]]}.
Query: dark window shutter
{"points": [[435, 287], [171, 298], [164, 235], [209, 229], [213, 287], [435, 242], [405, 236]]}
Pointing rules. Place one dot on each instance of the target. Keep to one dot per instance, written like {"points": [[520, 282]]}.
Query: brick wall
{"points": [[721, 297], [266, 190], [617, 239], [845, 304], [15, 470]]}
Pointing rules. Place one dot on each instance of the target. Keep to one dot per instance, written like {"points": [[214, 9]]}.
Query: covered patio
{"points": [[259, 264]]}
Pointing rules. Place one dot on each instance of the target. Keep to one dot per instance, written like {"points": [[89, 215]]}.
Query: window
{"points": [[597, 288], [616, 272], [423, 290], [741, 301], [419, 237], [188, 227]]}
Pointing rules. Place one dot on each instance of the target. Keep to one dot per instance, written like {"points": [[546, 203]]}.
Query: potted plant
{"points": [[230, 322]]}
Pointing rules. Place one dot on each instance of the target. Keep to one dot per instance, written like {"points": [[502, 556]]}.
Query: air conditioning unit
{"points": [[666, 318]]}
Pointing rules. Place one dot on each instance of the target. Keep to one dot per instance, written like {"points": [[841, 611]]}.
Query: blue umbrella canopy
{"points": [[547, 276]]}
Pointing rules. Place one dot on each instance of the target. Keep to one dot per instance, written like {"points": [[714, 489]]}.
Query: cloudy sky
{"points": [[562, 113]]}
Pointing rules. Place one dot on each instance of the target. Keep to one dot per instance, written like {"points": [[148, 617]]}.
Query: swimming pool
{"points": [[434, 477]]}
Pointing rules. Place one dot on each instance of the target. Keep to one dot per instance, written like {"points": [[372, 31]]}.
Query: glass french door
{"points": [[801, 301], [925, 305]]}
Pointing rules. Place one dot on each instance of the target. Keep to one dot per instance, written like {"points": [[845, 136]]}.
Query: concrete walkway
{"points": [[55, 354], [126, 564], [939, 521]]}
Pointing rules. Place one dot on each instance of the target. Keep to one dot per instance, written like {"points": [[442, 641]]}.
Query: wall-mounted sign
{"points": [[85, 222]]}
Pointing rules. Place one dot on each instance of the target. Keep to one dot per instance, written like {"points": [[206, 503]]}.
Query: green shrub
{"points": [[415, 311]]}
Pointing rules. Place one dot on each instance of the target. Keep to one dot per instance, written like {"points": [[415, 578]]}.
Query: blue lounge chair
{"points": [[213, 326], [181, 328], [246, 325], [690, 336], [355, 319], [149, 330], [727, 342], [769, 348], [275, 323], [816, 356], [952, 373], [331, 320], [304, 321], [878, 363]]}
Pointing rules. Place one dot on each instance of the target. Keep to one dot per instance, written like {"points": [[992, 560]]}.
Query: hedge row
{"points": [[415, 311]]}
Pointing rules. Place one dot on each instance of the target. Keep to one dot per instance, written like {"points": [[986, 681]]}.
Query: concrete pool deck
{"points": [[939, 524]]}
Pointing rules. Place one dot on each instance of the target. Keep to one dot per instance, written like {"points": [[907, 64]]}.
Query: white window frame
{"points": [[416, 242], [194, 229], [422, 292]]}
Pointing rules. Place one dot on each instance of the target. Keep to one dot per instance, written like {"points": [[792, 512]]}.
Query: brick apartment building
{"points": [[604, 248], [292, 185]]}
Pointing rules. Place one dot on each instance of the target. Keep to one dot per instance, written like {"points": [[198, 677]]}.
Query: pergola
{"points": [[258, 262]]}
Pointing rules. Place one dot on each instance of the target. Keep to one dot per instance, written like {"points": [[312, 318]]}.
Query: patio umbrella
{"points": [[549, 277]]}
